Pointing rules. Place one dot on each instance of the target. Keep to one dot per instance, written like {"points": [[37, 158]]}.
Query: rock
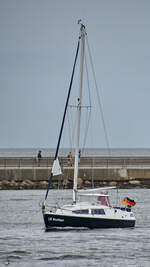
{"points": [[66, 182], [43, 184], [29, 182], [135, 182], [112, 183], [88, 182], [23, 183], [6, 182], [13, 184]]}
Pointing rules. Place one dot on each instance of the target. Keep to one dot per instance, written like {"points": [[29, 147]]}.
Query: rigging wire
{"points": [[88, 107], [69, 129], [73, 127], [88, 81], [88, 115], [99, 100]]}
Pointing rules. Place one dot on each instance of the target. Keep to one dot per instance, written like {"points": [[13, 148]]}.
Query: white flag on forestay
{"points": [[56, 169]]}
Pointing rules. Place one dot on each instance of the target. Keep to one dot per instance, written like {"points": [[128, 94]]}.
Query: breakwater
{"points": [[27, 173]]}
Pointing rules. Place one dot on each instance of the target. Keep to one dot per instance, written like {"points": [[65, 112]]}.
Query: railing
{"points": [[25, 162]]}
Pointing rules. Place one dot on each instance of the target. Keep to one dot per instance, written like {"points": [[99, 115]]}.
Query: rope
{"points": [[88, 116], [70, 127]]}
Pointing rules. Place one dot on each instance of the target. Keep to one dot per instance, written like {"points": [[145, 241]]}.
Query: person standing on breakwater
{"points": [[79, 154], [39, 157], [70, 159]]}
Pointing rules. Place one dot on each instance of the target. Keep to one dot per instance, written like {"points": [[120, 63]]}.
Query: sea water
{"points": [[24, 242], [46, 152]]}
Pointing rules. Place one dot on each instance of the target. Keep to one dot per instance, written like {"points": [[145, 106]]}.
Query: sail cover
{"points": [[56, 169]]}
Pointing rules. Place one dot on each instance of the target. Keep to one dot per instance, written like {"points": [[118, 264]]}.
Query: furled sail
{"points": [[56, 169]]}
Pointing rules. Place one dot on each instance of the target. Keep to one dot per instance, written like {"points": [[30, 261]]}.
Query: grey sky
{"points": [[37, 46]]}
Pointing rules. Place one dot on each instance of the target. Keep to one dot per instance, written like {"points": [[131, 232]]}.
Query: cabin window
{"points": [[98, 211], [81, 211], [124, 209]]}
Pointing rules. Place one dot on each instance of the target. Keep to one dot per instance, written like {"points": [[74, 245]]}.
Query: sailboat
{"points": [[89, 208]]}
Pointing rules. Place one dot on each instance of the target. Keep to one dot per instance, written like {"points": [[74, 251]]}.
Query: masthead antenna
{"points": [[79, 21]]}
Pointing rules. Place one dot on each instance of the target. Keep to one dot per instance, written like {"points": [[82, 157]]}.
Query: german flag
{"points": [[128, 202]]}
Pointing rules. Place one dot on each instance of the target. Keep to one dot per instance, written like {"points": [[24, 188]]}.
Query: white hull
{"points": [[89, 216]]}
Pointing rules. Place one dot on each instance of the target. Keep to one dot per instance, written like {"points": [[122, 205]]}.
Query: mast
{"points": [[82, 36]]}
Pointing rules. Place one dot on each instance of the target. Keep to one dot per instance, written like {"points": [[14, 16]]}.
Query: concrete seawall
{"points": [[27, 173]]}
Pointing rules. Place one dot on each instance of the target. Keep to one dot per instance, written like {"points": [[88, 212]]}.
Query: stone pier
{"points": [[27, 173]]}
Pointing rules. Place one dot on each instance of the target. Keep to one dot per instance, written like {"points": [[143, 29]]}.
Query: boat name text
{"points": [[55, 219]]}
